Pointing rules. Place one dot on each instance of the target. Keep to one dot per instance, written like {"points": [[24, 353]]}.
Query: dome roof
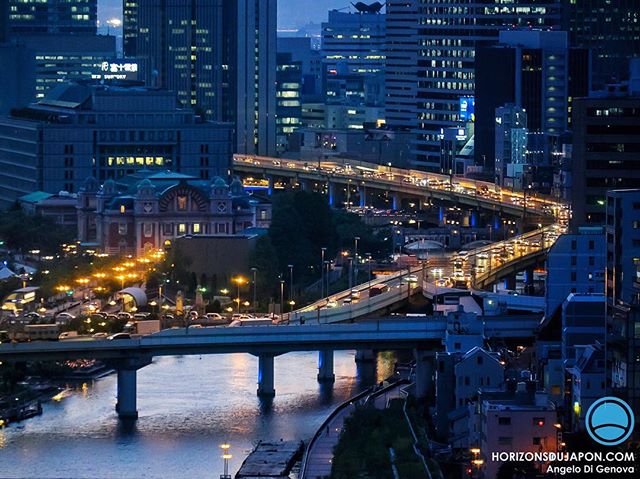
{"points": [[90, 184], [109, 187], [218, 182], [236, 187], [145, 184]]}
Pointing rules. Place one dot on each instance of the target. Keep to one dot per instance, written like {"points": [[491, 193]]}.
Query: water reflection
{"points": [[187, 407]]}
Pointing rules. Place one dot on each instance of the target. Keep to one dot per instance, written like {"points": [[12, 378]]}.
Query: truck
{"points": [[147, 326]]}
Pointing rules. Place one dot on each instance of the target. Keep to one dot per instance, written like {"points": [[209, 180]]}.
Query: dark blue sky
{"points": [[291, 13]]}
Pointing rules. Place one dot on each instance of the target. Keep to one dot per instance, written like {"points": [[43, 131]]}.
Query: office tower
{"points": [[130, 27], [510, 130], [623, 296], [75, 17], [311, 63], [575, 264], [610, 29], [606, 142], [4, 21], [80, 130], [449, 33], [288, 99], [219, 56], [354, 43], [63, 58], [535, 70], [401, 71]]}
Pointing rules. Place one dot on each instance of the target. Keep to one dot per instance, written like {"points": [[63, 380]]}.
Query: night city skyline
{"points": [[298, 239]]}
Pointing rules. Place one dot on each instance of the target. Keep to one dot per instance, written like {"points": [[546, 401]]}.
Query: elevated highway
{"points": [[423, 335], [401, 181]]}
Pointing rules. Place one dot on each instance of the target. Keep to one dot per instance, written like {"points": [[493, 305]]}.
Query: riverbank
{"points": [[25, 402]]}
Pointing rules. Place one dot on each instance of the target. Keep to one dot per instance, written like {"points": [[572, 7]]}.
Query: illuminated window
{"points": [[182, 228], [196, 228], [182, 202]]}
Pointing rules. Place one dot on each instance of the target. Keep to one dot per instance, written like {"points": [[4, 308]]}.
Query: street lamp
{"points": [[369, 264], [281, 299], [290, 281], [355, 254], [226, 456], [239, 280], [255, 290], [323, 250]]}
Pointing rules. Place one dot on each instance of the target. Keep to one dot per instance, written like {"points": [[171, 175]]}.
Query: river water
{"points": [[188, 406]]}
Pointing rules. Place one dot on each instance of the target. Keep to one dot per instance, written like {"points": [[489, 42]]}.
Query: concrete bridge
{"points": [[424, 336], [398, 181]]}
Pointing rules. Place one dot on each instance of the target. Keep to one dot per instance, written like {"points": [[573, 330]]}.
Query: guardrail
{"points": [[386, 176], [367, 392]]}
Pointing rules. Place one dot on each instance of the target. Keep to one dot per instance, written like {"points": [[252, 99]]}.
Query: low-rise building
{"points": [[150, 210]]}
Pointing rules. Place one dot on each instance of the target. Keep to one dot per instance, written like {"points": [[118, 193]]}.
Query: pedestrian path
{"points": [[320, 454]]}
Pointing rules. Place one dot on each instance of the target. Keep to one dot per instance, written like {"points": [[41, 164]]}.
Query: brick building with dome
{"points": [[149, 210]]}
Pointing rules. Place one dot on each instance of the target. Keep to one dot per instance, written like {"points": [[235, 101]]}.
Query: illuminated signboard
{"points": [[116, 70], [467, 108]]}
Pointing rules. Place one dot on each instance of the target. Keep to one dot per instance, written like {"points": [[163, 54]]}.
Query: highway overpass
{"points": [[397, 181], [423, 335]]}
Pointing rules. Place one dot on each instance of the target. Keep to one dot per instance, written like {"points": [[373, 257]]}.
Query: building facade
{"points": [[81, 130], [448, 36], [218, 56], [147, 211], [623, 296], [69, 17], [611, 30], [401, 70], [288, 99], [606, 144], [576, 263]]}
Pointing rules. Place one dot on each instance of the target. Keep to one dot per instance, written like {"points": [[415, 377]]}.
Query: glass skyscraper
{"points": [[448, 35], [219, 56], [53, 16]]}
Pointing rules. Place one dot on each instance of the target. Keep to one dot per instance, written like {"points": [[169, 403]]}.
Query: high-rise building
{"points": [[449, 33], [610, 29], [218, 56], [606, 143], [354, 43], [575, 264], [353, 52], [623, 296], [70, 17], [310, 60], [288, 99], [80, 130], [533, 70], [510, 130], [401, 70]]}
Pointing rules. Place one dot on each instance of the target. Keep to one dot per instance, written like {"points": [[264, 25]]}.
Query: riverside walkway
{"points": [[318, 460]]}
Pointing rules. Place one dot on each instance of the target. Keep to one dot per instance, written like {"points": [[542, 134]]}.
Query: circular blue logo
{"points": [[609, 421]]}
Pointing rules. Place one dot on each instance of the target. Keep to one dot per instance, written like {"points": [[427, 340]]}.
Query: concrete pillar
{"points": [[265, 375], [510, 282], [332, 192], [441, 218], [325, 365], [126, 405], [365, 355], [395, 201], [270, 189], [528, 281], [362, 193], [425, 369]]}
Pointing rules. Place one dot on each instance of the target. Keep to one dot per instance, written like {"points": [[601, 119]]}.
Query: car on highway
{"points": [[64, 317], [100, 336], [412, 278], [119, 336], [332, 303]]}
